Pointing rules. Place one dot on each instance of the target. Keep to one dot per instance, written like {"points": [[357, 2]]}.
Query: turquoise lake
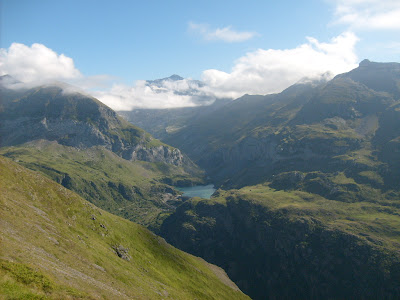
{"points": [[202, 191]]}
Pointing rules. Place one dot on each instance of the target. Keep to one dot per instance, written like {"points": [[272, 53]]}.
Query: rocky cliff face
{"points": [[275, 254], [74, 119], [165, 154]]}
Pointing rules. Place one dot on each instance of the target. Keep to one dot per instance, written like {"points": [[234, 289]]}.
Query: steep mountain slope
{"points": [[74, 119], [381, 77], [305, 128], [294, 245], [55, 245]]}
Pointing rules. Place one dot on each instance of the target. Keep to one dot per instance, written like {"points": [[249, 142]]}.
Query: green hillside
{"points": [[134, 190], [55, 245]]}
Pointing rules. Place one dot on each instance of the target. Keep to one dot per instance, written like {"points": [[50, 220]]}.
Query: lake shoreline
{"points": [[202, 191]]}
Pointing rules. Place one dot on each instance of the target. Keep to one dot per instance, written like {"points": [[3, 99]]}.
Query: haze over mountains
{"points": [[308, 198]]}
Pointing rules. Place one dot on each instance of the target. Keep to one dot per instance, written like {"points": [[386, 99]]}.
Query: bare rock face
{"points": [[122, 252], [80, 121], [161, 153]]}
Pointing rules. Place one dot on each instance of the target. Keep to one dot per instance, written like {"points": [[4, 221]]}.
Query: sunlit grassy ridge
{"points": [[378, 222], [56, 245], [132, 189]]}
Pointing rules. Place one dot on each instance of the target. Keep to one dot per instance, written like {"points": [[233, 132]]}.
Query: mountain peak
{"points": [[77, 120], [160, 81], [8, 79], [365, 62], [174, 77]]}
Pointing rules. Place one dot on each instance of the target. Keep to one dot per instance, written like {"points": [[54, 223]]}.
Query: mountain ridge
{"points": [[81, 121], [304, 122]]}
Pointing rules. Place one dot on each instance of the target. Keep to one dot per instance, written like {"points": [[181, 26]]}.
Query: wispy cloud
{"points": [[368, 14], [225, 34]]}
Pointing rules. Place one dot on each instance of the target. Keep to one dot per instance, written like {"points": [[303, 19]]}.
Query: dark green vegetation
{"points": [[55, 245], [291, 245]]}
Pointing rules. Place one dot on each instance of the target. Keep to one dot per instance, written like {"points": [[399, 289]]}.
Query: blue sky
{"points": [[127, 41]]}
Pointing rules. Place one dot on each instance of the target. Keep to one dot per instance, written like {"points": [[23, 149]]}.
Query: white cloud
{"points": [[39, 65], [368, 14], [167, 94], [258, 72], [226, 34], [270, 71], [36, 64]]}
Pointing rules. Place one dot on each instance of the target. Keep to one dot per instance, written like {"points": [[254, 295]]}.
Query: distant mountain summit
{"points": [[7, 79], [157, 121], [173, 77], [181, 86], [381, 77]]}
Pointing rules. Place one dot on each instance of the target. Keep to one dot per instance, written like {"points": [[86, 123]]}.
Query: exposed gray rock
{"points": [[122, 252]]}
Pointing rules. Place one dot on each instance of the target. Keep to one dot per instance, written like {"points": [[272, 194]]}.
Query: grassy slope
{"points": [[131, 189], [56, 245], [378, 223]]}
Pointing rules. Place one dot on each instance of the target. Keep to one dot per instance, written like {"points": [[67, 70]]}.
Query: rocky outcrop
{"points": [[165, 154], [122, 252]]}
